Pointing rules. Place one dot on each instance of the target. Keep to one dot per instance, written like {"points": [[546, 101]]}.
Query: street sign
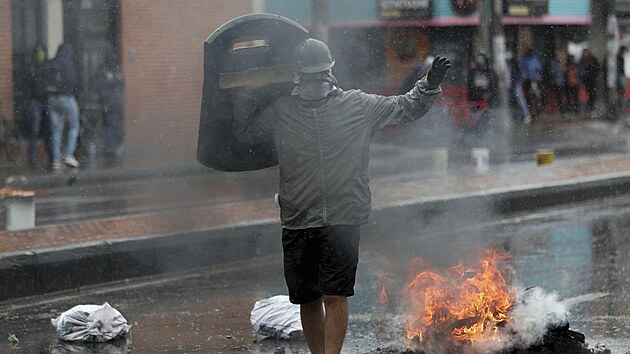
{"points": [[526, 7], [251, 50], [404, 9]]}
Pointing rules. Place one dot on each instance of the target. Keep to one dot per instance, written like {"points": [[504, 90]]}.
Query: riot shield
{"points": [[251, 50]]}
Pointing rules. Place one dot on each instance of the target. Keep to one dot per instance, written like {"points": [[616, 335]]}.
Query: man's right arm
{"points": [[251, 125]]}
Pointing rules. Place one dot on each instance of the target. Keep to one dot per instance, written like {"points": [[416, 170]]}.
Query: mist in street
{"points": [[575, 252]]}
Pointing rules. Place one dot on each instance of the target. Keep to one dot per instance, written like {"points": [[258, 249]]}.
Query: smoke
{"points": [[534, 315]]}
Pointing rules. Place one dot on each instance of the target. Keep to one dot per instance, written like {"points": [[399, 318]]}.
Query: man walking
{"points": [[322, 136], [62, 106], [622, 79]]}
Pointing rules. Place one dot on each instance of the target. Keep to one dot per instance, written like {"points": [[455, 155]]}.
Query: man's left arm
{"points": [[384, 110]]}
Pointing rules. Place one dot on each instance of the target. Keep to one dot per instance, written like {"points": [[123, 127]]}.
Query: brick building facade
{"points": [[6, 62], [162, 58]]}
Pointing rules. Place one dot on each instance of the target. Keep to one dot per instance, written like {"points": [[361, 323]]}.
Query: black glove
{"points": [[437, 71]]}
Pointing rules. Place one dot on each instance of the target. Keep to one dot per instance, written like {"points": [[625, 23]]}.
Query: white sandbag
{"points": [[91, 323], [276, 317]]}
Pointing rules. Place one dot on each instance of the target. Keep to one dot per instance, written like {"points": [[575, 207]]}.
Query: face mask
{"points": [[313, 89]]}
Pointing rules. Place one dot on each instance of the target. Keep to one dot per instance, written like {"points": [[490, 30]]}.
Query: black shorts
{"points": [[320, 261]]}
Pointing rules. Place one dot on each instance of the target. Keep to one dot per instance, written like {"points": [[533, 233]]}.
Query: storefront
{"points": [[380, 41]]}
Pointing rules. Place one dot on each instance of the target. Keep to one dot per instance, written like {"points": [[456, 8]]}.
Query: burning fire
{"points": [[381, 292], [383, 297], [469, 303]]}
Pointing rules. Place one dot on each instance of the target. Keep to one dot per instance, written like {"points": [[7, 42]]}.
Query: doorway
{"points": [[91, 27]]}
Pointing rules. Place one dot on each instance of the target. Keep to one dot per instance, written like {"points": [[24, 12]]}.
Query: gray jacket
{"points": [[323, 148]]}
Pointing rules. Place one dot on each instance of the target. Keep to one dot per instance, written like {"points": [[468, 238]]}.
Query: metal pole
{"points": [[612, 49], [503, 127], [484, 27], [597, 42], [320, 20], [498, 51]]}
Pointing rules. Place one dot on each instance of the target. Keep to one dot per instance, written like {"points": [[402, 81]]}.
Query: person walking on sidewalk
{"points": [[62, 105], [516, 85], [622, 79], [110, 85], [554, 80], [572, 85], [322, 136], [37, 108], [531, 66], [589, 69], [483, 85]]}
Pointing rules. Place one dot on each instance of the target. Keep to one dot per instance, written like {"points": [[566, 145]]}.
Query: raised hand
{"points": [[438, 70]]}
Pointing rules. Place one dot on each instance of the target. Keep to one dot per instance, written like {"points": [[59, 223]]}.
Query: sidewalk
{"points": [[159, 163], [60, 257]]}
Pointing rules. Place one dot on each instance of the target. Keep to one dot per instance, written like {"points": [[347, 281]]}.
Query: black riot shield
{"points": [[251, 50]]}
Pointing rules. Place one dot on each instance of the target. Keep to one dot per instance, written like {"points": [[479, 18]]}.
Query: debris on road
{"points": [[276, 317], [13, 339], [91, 323]]}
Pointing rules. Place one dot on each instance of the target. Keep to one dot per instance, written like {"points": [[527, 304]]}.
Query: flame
{"points": [[381, 292], [468, 302], [383, 298]]}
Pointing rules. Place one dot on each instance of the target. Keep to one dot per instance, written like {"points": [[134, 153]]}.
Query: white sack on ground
{"points": [[91, 323], [276, 317]]}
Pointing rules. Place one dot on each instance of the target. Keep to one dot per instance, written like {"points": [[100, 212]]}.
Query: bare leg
{"points": [[312, 316], [336, 323]]}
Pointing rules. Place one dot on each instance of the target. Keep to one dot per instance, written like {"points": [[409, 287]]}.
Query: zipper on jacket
{"points": [[321, 164]]}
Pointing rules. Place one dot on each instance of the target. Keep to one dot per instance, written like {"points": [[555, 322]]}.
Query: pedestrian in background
{"points": [[483, 86], [589, 69], [622, 79], [322, 135], [516, 85], [572, 84], [38, 119], [482, 82], [110, 85], [63, 107], [532, 68], [419, 71], [554, 82]]}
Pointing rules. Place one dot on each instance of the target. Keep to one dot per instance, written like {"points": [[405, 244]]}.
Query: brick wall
{"points": [[6, 59], [162, 58]]}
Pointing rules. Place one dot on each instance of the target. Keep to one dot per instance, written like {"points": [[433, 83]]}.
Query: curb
{"points": [[70, 177], [64, 269]]}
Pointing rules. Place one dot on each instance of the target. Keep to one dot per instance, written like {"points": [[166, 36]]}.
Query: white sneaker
{"points": [[71, 161], [56, 166]]}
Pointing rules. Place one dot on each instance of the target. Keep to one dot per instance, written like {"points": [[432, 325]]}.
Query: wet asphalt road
{"points": [[579, 252]]}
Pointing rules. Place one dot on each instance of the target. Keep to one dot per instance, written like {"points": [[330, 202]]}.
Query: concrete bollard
{"points": [[545, 157], [20, 209], [480, 159], [439, 160]]}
